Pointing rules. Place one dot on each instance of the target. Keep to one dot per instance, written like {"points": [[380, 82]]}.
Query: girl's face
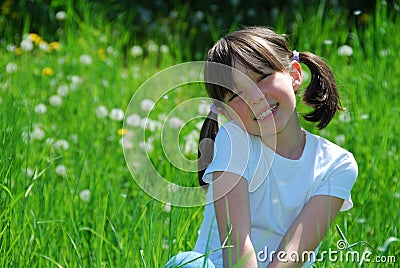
{"points": [[266, 106]]}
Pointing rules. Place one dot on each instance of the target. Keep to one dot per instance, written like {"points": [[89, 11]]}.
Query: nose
{"points": [[255, 95]]}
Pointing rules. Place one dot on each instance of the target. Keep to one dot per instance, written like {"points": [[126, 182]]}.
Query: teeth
{"points": [[267, 113]]}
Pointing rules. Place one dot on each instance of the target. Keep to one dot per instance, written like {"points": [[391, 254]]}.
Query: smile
{"points": [[267, 112]]}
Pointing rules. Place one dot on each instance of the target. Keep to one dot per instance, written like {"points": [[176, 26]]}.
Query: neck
{"points": [[290, 141]]}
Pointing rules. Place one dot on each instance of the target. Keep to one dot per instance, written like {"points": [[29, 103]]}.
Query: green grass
{"points": [[44, 222]]}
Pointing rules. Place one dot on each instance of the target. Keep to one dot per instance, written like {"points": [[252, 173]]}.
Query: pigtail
{"points": [[208, 133], [321, 94]]}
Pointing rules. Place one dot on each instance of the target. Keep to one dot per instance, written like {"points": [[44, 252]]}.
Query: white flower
{"points": [[61, 170], [11, 48], [101, 111], [384, 52], [61, 16], [49, 141], [44, 46], [85, 195], [126, 143], [11, 67], [61, 144], [37, 133], [364, 116], [164, 48], [152, 125], [85, 59], [167, 207], [40, 108], [147, 105], [176, 122], [345, 50], [133, 120], [29, 172], [191, 144], [344, 117], [152, 46], [339, 139], [116, 114], [203, 108], [76, 80], [62, 90], [327, 42], [55, 100], [26, 45], [147, 146], [136, 51]]}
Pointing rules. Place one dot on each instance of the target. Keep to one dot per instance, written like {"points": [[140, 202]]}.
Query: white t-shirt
{"points": [[278, 187]]}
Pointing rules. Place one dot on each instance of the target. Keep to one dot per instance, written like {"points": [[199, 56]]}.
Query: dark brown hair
{"points": [[259, 48]]}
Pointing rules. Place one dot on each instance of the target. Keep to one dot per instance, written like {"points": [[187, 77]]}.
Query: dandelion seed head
{"points": [[11, 67], [61, 170], [85, 59], [61, 144], [147, 105], [152, 46], [44, 46], [61, 16], [116, 114], [101, 111], [85, 195], [340, 139], [40, 108], [203, 108], [136, 51], [62, 90], [37, 133], [345, 50], [55, 100], [28, 172], [11, 48], [164, 49], [26, 45], [167, 207], [176, 122], [133, 120], [344, 117]]}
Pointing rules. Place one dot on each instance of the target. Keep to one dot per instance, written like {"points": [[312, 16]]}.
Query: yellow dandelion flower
{"points": [[18, 51], [35, 38], [55, 46], [47, 71], [122, 131], [102, 54]]}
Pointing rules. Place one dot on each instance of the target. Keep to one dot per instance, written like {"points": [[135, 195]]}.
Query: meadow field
{"points": [[67, 196]]}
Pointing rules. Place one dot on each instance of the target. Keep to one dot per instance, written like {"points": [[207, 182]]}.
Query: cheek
{"points": [[240, 108]]}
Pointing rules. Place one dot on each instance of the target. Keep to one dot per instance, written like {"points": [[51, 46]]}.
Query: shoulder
{"points": [[329, 152]]}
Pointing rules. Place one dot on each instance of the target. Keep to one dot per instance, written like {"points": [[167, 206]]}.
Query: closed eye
{"points": [[233, 96]]}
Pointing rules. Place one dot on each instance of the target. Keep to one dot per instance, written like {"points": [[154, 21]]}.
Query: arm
{"points": [[233, 215], [308, 229]]}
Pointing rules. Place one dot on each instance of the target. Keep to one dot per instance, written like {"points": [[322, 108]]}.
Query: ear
{"points": [[296, 75]]}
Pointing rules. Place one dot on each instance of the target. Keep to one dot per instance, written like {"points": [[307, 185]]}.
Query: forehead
{"points": [[242, 73]]}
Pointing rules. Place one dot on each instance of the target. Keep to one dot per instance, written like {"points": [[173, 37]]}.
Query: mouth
{"points": [[267, 112]]}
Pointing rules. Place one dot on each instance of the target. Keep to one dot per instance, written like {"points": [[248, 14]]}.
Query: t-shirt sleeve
{"points": [[231, 152], [340, 180]]}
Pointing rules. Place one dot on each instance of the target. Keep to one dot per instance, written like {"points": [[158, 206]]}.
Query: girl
{"points": [[274, 189]]}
